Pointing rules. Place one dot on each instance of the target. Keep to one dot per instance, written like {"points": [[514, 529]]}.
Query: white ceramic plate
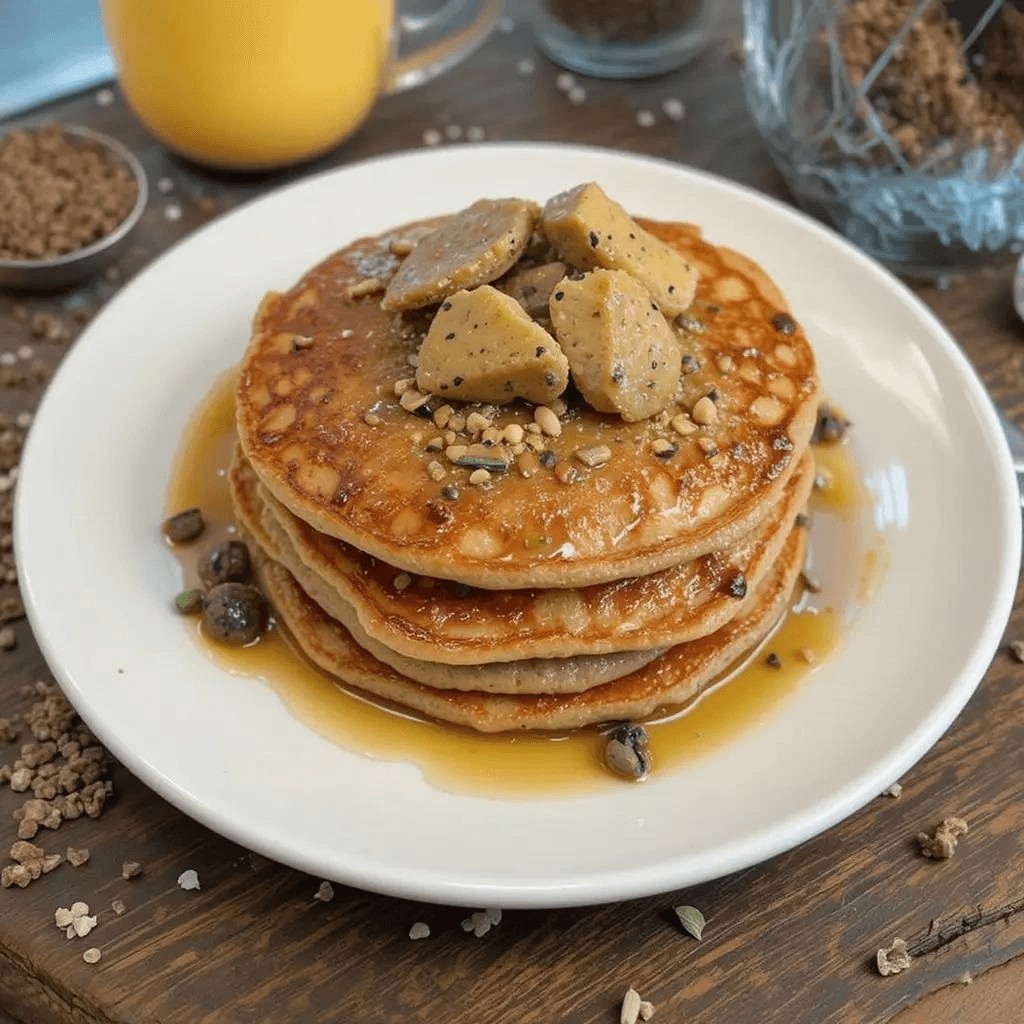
{"points": [[97, 578]]}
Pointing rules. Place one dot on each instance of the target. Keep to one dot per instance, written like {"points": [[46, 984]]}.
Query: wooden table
{"points": [[792, 940]]}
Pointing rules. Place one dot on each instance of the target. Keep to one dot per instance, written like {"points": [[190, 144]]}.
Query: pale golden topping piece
{"points": [[622, 353], [469, 249], [482, 346], [590, 230], [532, 287]]}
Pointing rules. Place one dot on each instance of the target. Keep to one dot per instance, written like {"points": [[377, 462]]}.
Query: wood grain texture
{"points": [[791, 940]]}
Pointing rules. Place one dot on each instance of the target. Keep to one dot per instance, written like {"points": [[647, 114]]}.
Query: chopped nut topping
{"points": [[513, 433], [566, 473], [436, 471], [683, 425], [942, 843], [371, 419], [401, 582], [412, 400], [403, 385], [368, 287], [77, 856], [663, 448], [479, 477], [527, 464], [131, 869]]}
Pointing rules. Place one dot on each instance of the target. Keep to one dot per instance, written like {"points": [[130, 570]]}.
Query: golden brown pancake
{"points": [[530, 675], [324, 354], [674, 679], [439, 621]]}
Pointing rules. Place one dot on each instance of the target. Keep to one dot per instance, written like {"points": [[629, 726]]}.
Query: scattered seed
{"points": [[403, 385], [1017, 650], [453, 132], [645, 118], [401, 582], [704, 411], [682, 424], [371, 419], [172, 212], [479, 477], [184, 526], [737, 585], [626, 751], [808, 656], [527, 464], [830, 427], [548, 422], [773, 661], [548, 459], [301, 342], [783, 323], [419, 930], [646, 1010], [324, 893], [707, 446], [594, 455], [476, 424], [189, 602], [165, 185], [692, 920], [413, 400], [577, 95], [8, 638], [118, 907], [474, 134], [513, 433], [942, 843], [895, 791], [227, 562], [664, 449], [368, 286], [565, 81], [92, 956], [525, 67], [436, 471], [450, 492], [104, 97], [131, 869], [566, 473]]}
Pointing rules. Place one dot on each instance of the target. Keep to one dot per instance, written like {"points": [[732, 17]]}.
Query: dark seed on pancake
{"points": [[189, 602], [424, 411], [450, 492], [737, 585], [548, 458], [664, 449], [691, 324], [783, 323], [773, 661], [809, 583], [830, 427], [594, 239], [184, 526], [491, 464], [713, 394], [340, 496], [803, 520], [626, 752], [225, 563], [781, 443], [300, 342], [690, 364], [1017, 650], [235, 613]]}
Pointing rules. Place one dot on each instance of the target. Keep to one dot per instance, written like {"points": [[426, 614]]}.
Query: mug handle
{"points": [[435, 58]]}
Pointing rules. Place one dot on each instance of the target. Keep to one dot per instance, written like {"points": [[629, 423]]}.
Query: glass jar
{"points": [[886, 126]]}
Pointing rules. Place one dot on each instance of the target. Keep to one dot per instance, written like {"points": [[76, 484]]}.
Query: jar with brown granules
{"points": [[885, 124]]}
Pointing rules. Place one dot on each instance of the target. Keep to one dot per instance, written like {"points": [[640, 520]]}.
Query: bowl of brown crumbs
{"points": [[69, 196], [888, 125]]}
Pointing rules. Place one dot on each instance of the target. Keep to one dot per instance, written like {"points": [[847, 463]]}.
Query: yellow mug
{"points": [[256, 84]]}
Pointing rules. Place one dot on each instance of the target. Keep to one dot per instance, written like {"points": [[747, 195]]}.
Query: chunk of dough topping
{"points": [[482, 346], [623, 355], [471, 248], [589, 230]]}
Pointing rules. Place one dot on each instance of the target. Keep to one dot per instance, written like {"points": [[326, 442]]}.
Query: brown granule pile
{"points": [[928, 93], [58, 193], [65, 769]]}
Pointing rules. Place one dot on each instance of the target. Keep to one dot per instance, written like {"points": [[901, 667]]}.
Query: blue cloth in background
{"points": [[48, 49]]}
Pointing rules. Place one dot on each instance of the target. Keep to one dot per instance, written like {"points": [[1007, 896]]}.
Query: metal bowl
{"points": [[74, 267]]}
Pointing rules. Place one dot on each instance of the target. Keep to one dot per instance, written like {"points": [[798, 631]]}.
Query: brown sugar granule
{"points": [[131, 869], [941, 844], [58, 193], [927, 92]]}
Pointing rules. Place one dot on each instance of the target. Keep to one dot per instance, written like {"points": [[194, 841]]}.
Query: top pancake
{"points": [[321, 358]]}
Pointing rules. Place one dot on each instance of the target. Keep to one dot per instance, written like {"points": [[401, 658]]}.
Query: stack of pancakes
{"points": [[554, 594]]}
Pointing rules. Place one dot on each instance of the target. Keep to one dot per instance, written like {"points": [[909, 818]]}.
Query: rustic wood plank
{"points": [[792, 939]]}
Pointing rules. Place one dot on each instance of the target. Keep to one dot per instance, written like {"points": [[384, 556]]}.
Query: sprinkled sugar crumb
{"points": [[189, 880], [325, 893], [431, 137], [92, 956], [481, 922], [895, 791], [893, 959], [645, 118], [419, 930]]}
